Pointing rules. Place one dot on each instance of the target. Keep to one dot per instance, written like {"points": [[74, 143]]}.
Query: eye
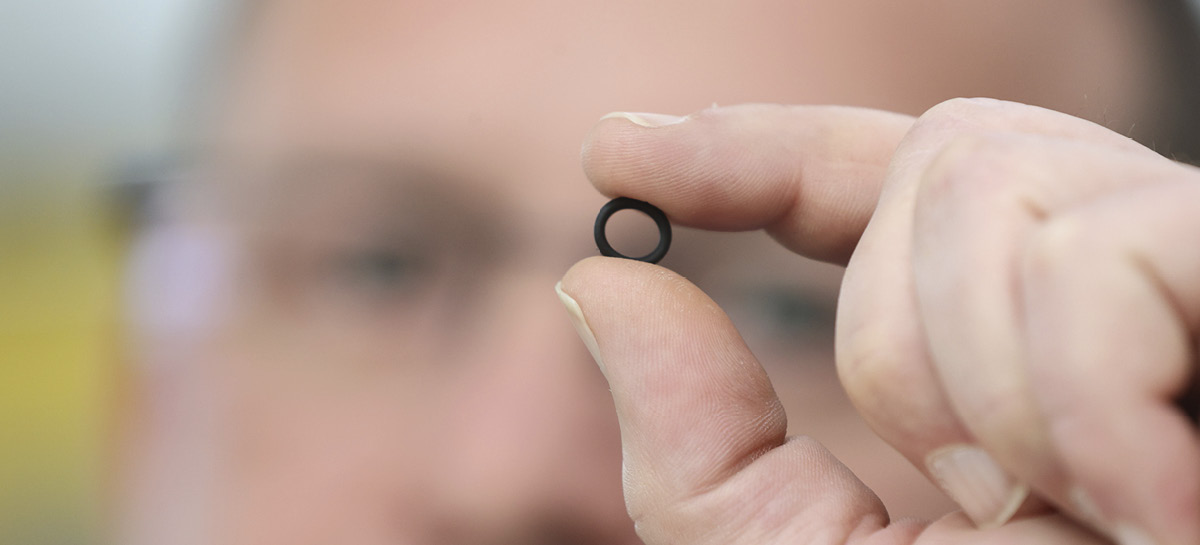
{"points": [[787, 316], [380, 271]]}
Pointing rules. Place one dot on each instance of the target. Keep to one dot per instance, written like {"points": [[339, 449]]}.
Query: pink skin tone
{"points": [[382, 358]]}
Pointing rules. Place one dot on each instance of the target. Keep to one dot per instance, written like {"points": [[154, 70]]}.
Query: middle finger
{"points": [[883, 353]]}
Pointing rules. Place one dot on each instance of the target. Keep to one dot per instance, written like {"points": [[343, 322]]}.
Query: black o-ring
{"points": [[621, 203]]}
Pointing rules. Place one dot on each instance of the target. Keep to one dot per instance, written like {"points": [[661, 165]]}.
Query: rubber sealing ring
{"points": [[622, 203]]}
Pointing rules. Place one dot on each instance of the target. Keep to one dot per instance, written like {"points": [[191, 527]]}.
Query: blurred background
{"points": [[95, 97], [88, 92]]}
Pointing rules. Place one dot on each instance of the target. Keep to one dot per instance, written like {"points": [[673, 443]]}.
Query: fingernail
{"points": [[1129, 535], [1124, 534], [647, 119], [1086, 508], [986, 493], [581, 325]]}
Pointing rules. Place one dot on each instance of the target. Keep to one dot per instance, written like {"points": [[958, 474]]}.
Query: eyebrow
{"points": [[398, 178], [383, 191]]}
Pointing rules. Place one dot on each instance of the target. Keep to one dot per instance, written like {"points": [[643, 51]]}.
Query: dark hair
{"points": [[1179, 105]]}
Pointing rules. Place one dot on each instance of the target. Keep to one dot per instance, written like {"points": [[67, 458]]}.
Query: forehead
{"points": [[510, 76], [500, 91], [498, 55], [505, 91]]}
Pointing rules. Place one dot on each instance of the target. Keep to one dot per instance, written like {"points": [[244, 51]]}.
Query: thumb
{"points": [[706, 459]]}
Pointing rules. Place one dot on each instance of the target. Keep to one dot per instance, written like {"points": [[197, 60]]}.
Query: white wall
{"points": [[96, 78]]}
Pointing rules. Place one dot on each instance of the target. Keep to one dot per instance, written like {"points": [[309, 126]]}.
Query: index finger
{"points": [[808, 175]]}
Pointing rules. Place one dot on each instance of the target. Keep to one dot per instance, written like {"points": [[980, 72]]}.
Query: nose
{"points": [[530, 442]]}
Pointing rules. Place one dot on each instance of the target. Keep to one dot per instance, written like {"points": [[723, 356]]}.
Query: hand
{"points": [[1019, 312]]}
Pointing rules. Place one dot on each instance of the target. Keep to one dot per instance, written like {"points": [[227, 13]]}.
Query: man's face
{"points": [[393, 191]]}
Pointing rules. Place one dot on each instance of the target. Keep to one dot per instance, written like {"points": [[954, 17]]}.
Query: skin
{"points": [[956, 326], [363, 346]]}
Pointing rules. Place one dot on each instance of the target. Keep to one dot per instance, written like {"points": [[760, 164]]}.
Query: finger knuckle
{"points": [[972, 166], [957, 114], [961, 152], [871, 366], [997, 411], [966, 112], [1058, 242]]}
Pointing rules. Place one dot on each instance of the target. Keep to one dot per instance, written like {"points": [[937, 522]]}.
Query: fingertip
{"points": [[633, 309], [810, 175], [599, 278], [580, 274], [985, 491], [631, 154]]}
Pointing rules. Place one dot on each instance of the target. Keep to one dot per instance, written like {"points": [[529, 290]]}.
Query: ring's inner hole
{"points": [[632, 233]]}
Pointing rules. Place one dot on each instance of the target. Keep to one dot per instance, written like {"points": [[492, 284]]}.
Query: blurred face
{"points": [[350, 326]]}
